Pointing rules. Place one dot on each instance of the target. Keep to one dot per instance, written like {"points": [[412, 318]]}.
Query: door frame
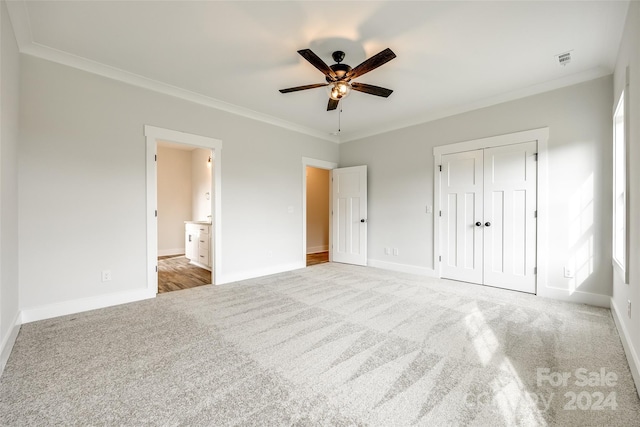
{"points": [[541, 136], [320, 164], [153, 134]]}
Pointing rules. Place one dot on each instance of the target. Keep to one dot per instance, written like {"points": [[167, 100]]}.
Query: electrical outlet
{"points": [[270, 254], [568, 272], [395, 251], [387, 251], [106, 275], [429, 209], [629, 308]]}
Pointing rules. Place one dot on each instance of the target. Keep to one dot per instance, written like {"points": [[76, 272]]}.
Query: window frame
{"points": [[621, 212]]}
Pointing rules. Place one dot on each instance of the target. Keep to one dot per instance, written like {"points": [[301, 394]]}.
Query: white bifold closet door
{"points": [[461, 190], [488, 228]]}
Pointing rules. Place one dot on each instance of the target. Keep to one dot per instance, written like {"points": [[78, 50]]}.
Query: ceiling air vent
{"points": [[564, 58]]}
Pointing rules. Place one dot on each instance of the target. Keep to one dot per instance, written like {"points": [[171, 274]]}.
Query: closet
{"points": [[487, 213]]}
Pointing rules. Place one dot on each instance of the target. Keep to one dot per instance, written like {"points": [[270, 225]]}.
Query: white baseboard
{"points": [[589, 298], [197, 264], [84, 304], [167, 252], [246, 275], [403, 268], [627, 344], [9, 341], [317, 249]]}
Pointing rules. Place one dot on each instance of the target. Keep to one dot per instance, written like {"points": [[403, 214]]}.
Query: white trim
{"points": [[493, 141], [54, 55], [573, 79], [403, 268], [578, 297], [153, 134], [203, 266], [622, 269], [84, 304], [627, 344], [168, 252], [20, 20], [317, 249], [246, 275], [9, 340], [181, 137], [152, 220], [320, 164], [19, 17], [540, 135]]}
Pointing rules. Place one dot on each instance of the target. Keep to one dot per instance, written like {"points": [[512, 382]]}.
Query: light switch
{"points": [[290, 209], [429, 209]]}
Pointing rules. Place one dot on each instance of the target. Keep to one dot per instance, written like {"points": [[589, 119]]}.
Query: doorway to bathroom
{"points": [[185, 181], [184, 211]]}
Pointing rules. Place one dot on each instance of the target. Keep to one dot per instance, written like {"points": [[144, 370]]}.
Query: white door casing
{"points": [[518, 262], [349, 215], [153, 135], [461, 208]]}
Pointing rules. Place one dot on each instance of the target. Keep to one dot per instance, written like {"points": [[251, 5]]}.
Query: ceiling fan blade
{"points": [[297, 88], [318, 63], [372, 63], [371, 89], [333, 104]]}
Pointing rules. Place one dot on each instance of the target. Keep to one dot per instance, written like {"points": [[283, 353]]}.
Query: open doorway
{"points": [[318, 199], [185, 178], [200, 245], [316, 212]]}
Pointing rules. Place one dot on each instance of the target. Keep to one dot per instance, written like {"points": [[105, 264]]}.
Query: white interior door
{"points": [[488, 216], [461, 208], [349, 215], [510, 216]]}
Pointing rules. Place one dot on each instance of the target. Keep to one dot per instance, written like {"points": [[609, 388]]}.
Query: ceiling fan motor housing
{"points": [[341, 71]]}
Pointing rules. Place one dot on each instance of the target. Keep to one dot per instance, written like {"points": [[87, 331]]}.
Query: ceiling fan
{"points": [[339, 76]]}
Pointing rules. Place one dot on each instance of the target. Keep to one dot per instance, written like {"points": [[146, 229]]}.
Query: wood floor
{"points": [[175, 273], [317, 258]]}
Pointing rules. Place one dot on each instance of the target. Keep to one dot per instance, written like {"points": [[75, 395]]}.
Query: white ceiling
{"points": [[235, 55]]}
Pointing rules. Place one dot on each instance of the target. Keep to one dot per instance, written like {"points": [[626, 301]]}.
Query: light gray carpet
{"points": [[328, 345]]}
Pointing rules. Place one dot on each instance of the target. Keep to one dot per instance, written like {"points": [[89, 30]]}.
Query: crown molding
{"points": [[536, 89], [65, 58], [19, 16]]}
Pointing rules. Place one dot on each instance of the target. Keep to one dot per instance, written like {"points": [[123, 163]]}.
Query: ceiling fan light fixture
{"points": [[339, 76], [339, 90]]}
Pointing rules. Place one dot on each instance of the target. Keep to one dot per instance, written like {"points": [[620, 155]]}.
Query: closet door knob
{"points": [[478, 224], [487, 224]]}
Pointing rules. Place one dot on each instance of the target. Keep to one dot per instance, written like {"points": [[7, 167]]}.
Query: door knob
{"points": [[478, 224], [363, 220], [487, 224]]}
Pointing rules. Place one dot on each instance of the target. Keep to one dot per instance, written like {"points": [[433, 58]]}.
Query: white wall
{"points": [[174, 199], [9, 83], [317, 209], [400, 173], [201, 184], [82, 185], [629, 56]]}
